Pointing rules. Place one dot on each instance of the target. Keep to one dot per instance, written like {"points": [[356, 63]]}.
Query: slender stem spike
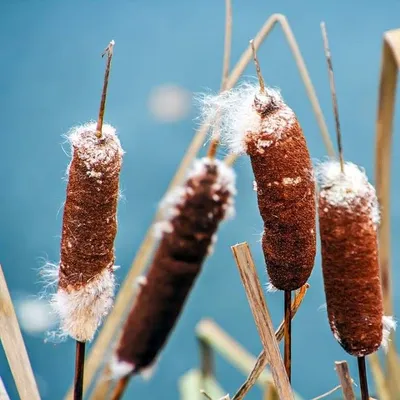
{"points": [[288, 334], [79, 370], [333, 93], [258, 69], [362, 370], [109, 52]]}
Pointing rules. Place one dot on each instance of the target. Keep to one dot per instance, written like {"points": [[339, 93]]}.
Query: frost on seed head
{"points": [[225, 181], [347, 189], [239, 113], [92, 150], [389, 324], [81, 311]]}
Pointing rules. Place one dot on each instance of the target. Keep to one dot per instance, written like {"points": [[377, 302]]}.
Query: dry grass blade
{"points": [[327, 393], [294, 47], [125, 295], [379, 377], [248, 274], [14, 346], [3, 392], [346, 382], [384, 134], [262, 360]]}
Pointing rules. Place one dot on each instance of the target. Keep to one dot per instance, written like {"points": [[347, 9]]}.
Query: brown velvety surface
{"points": [[89, 222], [288, 210], [172, 273], [351, 277]]}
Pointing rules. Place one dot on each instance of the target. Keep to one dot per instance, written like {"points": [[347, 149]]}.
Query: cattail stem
{"points": [[109, 52], [79, 370], [120, 388], [333, 93], [258, 69], [288, 334], [362, 371]]}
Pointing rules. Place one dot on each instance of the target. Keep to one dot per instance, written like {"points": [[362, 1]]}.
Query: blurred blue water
{"points": [[50, 79]]}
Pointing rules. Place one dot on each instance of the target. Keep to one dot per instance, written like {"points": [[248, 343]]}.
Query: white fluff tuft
{"points": [[148, 372], [92, 150], [226, 179], [389, 324], [232, 113], [81, 311], [348, 188], [271, 288], [119, 368]]}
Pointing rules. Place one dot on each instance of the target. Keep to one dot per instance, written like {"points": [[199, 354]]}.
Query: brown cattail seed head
{"points": [[348, 219], [192, 215], [86, 279], [264, 127]]}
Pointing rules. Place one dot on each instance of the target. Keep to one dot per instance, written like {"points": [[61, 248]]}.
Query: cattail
{"points": [[86, 278], [263, 126], [192, 215], [85, 274], [348, 219]]}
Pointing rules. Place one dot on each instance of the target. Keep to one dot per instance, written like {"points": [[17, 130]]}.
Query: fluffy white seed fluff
{"points": [[80, 312], [119, 368], [92, 150], [233, 114], [225, 180], [389, 324], [347, 189]]}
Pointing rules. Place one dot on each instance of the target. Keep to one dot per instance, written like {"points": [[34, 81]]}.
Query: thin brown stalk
{"points": [[14, 346], [362, 370], [214, 143], [333, 94], [346, 382], [109, 52], [258, 68], [390, 65], [79, 370], [251, 283], [124, 299], [262, 359], [288, 334]]}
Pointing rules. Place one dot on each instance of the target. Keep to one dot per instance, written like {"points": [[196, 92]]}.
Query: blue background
{"points": [[50, 80]]}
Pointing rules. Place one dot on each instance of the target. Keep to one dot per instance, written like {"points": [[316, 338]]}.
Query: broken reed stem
{"points": [[79, 370], [14, 346], [146, 248], [258, 69], [333, 93], [214, 143], [342, 369], [262, 359], [288, 334], [120, 388], [251, 283], [109, 52], [363, 378]]}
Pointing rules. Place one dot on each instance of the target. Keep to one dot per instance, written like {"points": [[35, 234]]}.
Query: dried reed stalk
{"points": [[14, 346], [248, 274], [262, 359], [3, 392], [126, 293], [346, 382], [390, 65]]}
